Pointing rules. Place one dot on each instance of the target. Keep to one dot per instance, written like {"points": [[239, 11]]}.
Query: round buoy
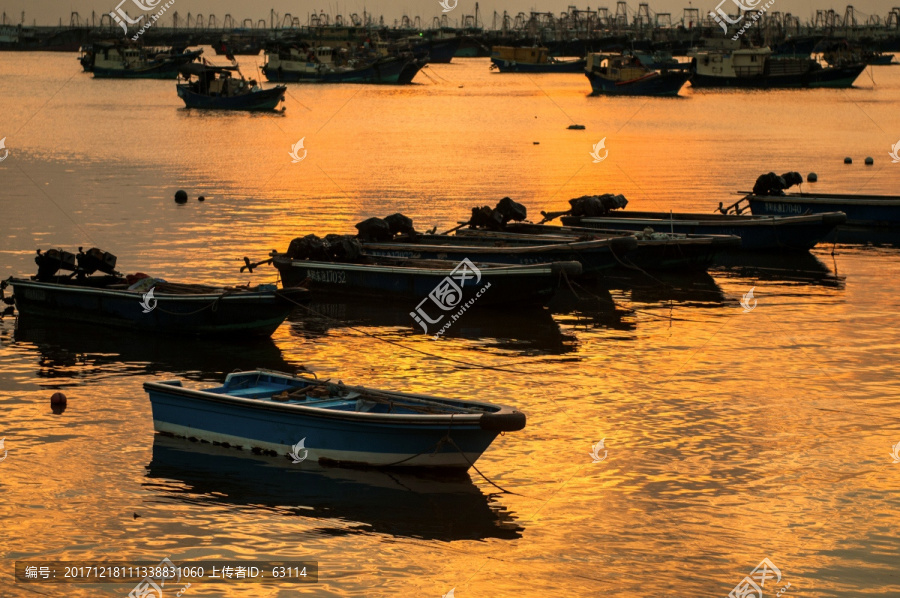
{"points": [[848, 160], [201, 198], [870, 160], [58, 398], [180, 197], [812, 177]]}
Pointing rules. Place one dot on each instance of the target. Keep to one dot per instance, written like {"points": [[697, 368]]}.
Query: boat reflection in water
{"points": [[525, 329], [359, 501], [77, 351], [790, 268]]}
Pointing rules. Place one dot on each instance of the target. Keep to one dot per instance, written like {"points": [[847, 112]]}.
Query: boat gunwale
{"points": [[708, 219], [608, 243], [469, 419], [543, 269], [225, 295], [830, 198]]}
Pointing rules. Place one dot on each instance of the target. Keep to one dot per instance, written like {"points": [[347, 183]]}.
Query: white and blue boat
{"points": [[215, 88], [303, 418]]}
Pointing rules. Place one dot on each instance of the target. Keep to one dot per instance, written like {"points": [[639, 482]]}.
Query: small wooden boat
{"points": [[860, 210], [654, 251], [146, 304], [301, 417], [617, 74], [214, 88], [756, 232], [531, 60], [414, 278], [595, 255]]}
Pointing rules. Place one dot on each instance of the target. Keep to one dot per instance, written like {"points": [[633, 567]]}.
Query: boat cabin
{"points": [[616, 66], [534, 55]]}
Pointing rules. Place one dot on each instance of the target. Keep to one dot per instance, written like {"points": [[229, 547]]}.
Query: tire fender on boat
{"points": [[507, 420]]}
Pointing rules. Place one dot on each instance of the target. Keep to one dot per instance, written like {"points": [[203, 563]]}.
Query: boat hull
{"points": [[244, 314], [330, 436], [835, 77], [160, 71], [512, 66], [796, 233], [658, 84], [861, 212], [263, 100], [595, 257], [517, 284], [393, 71]]}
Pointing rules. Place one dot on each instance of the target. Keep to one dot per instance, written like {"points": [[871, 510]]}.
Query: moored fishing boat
{"points": [[294, 64], [302, 417], [616, 74], [377, 275], [121, 61], [595, 255], [214, 88], [139, 302], [759, 68], [756, 232], [531, 60], [654, 251]]}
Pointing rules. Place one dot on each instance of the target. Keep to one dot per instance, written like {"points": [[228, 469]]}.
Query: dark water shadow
{"points": [[527, 330], [793, 268], [400, 505], [81, 351], [683, 289]]}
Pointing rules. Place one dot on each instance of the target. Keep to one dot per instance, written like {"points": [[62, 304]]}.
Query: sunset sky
{"points": [[51, 11]]}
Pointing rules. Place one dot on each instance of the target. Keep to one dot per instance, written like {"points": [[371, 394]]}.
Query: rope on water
{"points": [[214, 305]]}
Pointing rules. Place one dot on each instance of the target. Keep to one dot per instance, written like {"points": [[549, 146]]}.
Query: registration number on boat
{"points": [[783, 208], [35, 295], [330, 276]]}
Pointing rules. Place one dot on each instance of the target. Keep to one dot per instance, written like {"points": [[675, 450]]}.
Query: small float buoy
{"points": [[201, 198], [848, 160], [812, 177], [869, 161], [58, 398], [536, 142], [180, 196], [576, 127]]}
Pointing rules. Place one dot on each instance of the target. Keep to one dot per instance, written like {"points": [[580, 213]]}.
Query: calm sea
{"points": [[730, 437]]}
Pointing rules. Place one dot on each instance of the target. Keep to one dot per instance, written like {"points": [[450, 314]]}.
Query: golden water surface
{"points": [[730, 436]]}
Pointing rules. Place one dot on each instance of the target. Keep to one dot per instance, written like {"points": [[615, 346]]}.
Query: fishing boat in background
{"points": [[116, 60], [140, 302], [294, 64], [760, 68], [238, 46], [214, 87], [531, 60], [617, 74], [302, 417]]}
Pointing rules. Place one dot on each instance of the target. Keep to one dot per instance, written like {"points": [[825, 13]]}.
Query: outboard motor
{"points": [[374, 230], [398, 223], [96, 259], [52, 261], [511, 210]]}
